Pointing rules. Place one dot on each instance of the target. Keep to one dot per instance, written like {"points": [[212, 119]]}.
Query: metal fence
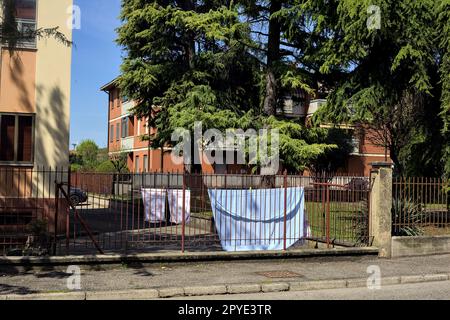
{"points": [[336, 210], [113, 216], [420, 206], [27, 209]]}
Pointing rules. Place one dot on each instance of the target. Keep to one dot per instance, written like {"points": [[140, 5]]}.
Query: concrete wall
{"points": [[421, 245], [53, 72], [380, 208]]}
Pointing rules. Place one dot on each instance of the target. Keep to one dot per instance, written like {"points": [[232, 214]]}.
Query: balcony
{"points": [[126, 106], [127, 144], [293, 108], [314, 105]]}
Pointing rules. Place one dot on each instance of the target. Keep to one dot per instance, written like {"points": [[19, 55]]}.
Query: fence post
{"points": [[327, 215], [285, 208], [183, 218], [380, 207], [69, 182], [55, 235]]}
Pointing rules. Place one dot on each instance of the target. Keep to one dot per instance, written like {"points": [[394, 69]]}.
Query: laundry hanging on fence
{"points": [[175, 197], [154, 204], [255, 219]]}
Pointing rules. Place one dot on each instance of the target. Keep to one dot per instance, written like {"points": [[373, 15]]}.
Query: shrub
{"points": [[106, 166], [74, 167], [407, 217]]}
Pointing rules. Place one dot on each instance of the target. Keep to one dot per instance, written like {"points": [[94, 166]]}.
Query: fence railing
{"points": [[27, 208], [196, 212], [420, 206], [335, 213]]}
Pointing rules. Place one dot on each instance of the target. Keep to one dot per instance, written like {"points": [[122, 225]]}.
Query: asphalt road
{"points": [[417, 291]]}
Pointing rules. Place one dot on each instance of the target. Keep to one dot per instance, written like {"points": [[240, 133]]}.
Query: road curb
{"points": [[172, 292], [185, 257]]}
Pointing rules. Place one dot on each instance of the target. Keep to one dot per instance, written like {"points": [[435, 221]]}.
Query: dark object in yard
{"points": [[14, 252], [36, 246], [358, 184], [77, 196]]}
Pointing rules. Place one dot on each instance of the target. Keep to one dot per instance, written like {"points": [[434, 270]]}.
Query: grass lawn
{"points": [[436, 231], [346, 219]]}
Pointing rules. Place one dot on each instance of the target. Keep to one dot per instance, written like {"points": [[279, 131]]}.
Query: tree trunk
{"points": [[398, 169], [273, 56], [189, 47]]}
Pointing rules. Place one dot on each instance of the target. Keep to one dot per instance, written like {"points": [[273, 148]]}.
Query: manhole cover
{"points": [[279, 274]]}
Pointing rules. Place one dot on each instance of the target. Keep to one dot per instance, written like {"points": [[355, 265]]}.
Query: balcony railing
{"points": [[27, 30], [127, 144], [126, 106]]}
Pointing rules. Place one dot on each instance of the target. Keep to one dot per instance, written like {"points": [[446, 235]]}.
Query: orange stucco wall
{"points": [[18, 79]]}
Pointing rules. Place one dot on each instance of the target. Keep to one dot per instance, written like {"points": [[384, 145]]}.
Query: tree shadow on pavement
{"points": [[8, 289]]}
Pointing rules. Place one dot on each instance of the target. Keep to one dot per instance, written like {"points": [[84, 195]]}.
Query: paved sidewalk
{"points": [[160, 276]]}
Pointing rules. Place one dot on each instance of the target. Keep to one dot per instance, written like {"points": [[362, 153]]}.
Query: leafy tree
{"points": [[74, 167], [300, 146], [443, 29], [198, 61], [87, 150], [119, 162], [392, 79], [332, 159], [102, 155], [106, 166]]}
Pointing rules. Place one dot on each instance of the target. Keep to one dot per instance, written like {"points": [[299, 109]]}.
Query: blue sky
{"points": [[95, 61]]}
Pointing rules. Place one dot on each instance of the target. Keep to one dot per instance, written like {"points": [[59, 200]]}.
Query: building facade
{"points": [[125, 133], [35, 90], [35, 80], [125, 136]]}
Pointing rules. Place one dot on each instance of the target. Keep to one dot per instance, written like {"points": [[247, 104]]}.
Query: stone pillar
{"points": [[380, 207]]}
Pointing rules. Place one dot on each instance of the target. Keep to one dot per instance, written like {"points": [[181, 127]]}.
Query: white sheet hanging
{"points": [[154, 204], [175, 197], [255, 219]]}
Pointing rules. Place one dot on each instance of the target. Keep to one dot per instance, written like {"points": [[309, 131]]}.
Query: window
{"points": [[355, 144], [16, 138], [26, 9], [136, 164], [15, 218], [125, 99], [111, 100], [125, 127], [111, 134], [145, 163], [117, 132], [25, 13]]}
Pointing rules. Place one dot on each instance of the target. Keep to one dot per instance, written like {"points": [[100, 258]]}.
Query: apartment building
{"points": [[125, 136], [125, 133], [35, 77], [35, 90], [365, 150]]}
